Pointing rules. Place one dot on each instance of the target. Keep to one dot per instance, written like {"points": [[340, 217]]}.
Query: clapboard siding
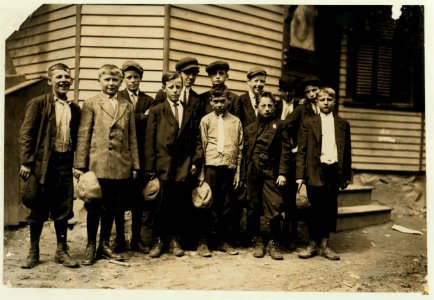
{"points": [[112, 34], [243, 35], [45, 38]]}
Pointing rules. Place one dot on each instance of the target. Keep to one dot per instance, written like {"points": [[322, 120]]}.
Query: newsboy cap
{"points": [[186, 63], [311, 80], [217, 65], [286, 84], [131, 64], [88, 187], [151, 189], [202, 196], [255, 71]]}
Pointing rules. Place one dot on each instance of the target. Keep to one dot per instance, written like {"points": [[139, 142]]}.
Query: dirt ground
{"points": [[373, 259]]}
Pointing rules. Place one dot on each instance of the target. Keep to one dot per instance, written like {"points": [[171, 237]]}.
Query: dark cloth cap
{"points": [[217, 65], [311, 80], [286, 84], [130, 64], [186, 63], [255, 71]]}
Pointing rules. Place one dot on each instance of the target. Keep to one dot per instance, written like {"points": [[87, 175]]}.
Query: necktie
{"points": [[175, 106], [134, 99], [220, 135]]}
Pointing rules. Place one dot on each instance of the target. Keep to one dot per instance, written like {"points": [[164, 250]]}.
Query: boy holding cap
{"points": [[218, 72], [222, 141], [256, 78], [107, 146], [133, 73]]}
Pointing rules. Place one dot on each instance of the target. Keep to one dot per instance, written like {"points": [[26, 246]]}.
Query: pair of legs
{"points": [[56, 202], [219, 217], [263, 198], [322, 214], [104, 210]]}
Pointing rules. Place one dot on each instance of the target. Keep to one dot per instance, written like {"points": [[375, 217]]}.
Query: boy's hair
{"points": [[168, 76], [328, 91], [109, 69], [58, 66], [219, 91], [267, 95]]}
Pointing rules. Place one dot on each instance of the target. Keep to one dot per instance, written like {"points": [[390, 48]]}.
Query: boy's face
{"points": [[60, 82], [257, 83], [110, 83], [287, 95], [132, 80], [266, 107], [219, 77], [189, 77], [310, 92], [173, 89], [219, 105], [326, 103]]}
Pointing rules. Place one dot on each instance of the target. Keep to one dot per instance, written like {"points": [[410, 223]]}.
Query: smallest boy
{"points": [[267, 165], [222, 141]]}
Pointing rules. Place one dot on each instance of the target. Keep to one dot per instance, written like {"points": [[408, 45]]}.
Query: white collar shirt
{"points": [[329, 152]]}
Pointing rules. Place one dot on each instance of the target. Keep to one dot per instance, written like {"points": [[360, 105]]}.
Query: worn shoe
{"points": [[89, 256], [225, 247], [157, 249], [175, 248], [104, 251], [62, 257], [258, 247], [273, 250], [139, 247], [326, 251], [203, 250], [31, 261], [309, 251]]}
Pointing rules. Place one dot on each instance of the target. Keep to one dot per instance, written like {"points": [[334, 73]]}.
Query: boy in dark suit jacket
{"points": [[324, 164], [256, 78], [107, 146], [54, 119], [133, 73], [173, 154], [267, 165]]}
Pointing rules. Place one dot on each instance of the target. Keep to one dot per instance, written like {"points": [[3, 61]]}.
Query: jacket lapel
{"points": [[248, 105], [51, 115], [340, 135], [106, 105], [316, 121], [122, 106], [252, 133], [185, 117], [167, 112], [275, 128]]}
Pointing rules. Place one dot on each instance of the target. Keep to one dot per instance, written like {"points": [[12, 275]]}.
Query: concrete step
{"points": [[355, 195], [351, 217]]}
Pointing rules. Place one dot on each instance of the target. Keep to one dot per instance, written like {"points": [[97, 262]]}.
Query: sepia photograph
{"points": [[216, 151]]}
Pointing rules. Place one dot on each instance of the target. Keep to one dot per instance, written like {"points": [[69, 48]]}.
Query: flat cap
{"points": [[151, 189], [285, 83], [217, 65], [131, 64], [202, 196], [311, 80], [255, 71], [186, 63], [88, 187]]}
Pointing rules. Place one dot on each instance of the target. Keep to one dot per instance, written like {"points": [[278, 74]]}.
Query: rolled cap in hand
{"points": [[186, 63], [88, 187], [202, 196], [131, 64], [255, 71], [213, 67], [151, 190]]}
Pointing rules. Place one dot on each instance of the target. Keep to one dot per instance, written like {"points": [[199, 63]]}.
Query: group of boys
{"points": [[247, 145]]}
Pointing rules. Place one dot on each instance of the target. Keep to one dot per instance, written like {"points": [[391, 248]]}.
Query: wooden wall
{"points": [[381, 139], [243, 35]]}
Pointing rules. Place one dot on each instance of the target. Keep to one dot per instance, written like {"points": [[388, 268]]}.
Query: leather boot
{"points": [[175, 248], [89, 255], [32, 259], [310, 251], [62, 256], [326, 251], [157, 249], [273, 250], [104, 251], [258, 247]]}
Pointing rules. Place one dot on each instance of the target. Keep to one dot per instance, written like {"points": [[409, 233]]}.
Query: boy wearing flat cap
{"points": [[256, 78], [133, 73], [218, 72]]}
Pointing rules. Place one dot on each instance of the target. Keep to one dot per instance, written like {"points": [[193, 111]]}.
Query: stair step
{"points": [[355, 195], [351, 217]]}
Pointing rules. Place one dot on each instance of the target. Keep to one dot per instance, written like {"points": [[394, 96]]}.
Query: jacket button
{"points": [[110, 147]]}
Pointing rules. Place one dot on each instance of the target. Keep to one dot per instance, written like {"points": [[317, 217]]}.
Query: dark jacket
{"points": [[247, 111], [170, 151], [308, 163], [38, 132]]}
